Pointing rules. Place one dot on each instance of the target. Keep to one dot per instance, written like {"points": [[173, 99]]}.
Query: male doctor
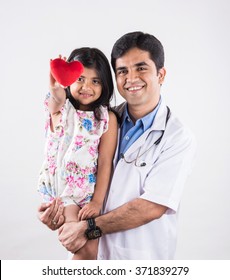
{"points": [[153, 159]]}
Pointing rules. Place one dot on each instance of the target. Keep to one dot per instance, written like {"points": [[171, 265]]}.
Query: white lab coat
{"points": [[161, 180]]}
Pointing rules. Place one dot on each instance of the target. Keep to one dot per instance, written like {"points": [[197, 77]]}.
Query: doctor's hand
{"points": [[51, 214], [72, 235]]}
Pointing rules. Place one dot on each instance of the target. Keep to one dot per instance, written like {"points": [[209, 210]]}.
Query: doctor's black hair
{"points": [[143, 41], [93, 58]]}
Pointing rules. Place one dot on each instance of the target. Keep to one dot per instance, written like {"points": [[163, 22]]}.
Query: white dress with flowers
{"points": [[71, 153]]}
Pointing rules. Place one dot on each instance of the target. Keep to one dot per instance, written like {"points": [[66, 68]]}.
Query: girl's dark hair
{"points": [[94, 58], [143, 41]]}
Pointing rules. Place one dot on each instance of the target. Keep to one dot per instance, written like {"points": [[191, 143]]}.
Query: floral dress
{"points": [[71, 153]]}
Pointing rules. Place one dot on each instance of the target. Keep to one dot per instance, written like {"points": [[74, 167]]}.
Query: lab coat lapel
{"points": [[117, 149], [157, 127]]}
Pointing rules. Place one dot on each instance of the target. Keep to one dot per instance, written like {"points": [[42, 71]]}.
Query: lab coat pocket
{"points": [[121, 253]]}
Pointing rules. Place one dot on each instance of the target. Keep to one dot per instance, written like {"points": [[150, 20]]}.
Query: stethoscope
{"points": [[139, 154]]}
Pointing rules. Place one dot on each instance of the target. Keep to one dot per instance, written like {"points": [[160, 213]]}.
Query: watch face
{"points": [[93, 233], [97, 233]]}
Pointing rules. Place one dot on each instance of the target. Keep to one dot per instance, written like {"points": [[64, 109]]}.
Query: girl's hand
{"points": [[51, 214], [56, 89], [92, 209]]}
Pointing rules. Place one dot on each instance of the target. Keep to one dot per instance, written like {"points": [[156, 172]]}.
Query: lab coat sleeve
{"points": [[165, 182]]}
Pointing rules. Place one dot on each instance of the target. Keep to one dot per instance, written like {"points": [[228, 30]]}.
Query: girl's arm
{"points": [[57, 96], [56, 101], [107, 149]]}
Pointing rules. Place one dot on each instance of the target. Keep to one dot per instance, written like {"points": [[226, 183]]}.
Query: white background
{"points": [[196, 38]]}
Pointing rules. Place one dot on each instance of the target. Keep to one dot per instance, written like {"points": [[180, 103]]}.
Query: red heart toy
{"points": [[66, 73]]}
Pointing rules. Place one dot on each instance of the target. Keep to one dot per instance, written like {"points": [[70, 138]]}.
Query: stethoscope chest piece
{"points": [[142, 164]]}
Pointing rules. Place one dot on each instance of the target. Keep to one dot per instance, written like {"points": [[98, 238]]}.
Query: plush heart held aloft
{"points": [[66, 73]]}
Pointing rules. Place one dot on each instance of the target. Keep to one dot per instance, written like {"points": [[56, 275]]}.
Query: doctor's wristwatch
{"points": [[92, 232]]}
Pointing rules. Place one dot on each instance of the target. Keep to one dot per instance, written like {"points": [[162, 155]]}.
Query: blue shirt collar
{"points": [[146, 121], [125, 115]]}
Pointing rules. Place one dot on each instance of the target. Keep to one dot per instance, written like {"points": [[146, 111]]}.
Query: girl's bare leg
{"points": [[89, 250], [71, 213]]}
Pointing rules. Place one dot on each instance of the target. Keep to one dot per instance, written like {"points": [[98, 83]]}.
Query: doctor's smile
{"points": [[134, 89]]}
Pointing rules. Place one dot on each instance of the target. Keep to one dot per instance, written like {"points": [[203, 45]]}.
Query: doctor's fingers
{"points": [[73, 245], [70, 247], [59, 219], [43, 207], [56, 209], [47, 215], [56, 224]]}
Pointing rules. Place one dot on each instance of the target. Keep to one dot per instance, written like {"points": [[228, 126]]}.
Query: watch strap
{"points": [[91, 223], [93, 231]]}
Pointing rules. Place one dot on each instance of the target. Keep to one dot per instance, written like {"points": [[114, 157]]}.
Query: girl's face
{"points": [[87, 88]]}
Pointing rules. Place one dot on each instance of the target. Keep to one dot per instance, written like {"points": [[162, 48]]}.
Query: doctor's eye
{"points": [[122, 72], [141, 68]]}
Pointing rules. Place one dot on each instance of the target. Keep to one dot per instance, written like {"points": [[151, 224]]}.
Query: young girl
{"points": [[81, 141]]}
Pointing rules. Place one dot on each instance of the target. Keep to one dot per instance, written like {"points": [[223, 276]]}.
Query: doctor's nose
{"points": [[132, 76]]}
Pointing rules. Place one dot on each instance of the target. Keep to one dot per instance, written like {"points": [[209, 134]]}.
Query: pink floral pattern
{"points": [[71, 153]]}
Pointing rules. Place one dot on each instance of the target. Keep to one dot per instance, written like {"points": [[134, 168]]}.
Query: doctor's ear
{"points": [[161, 74]]}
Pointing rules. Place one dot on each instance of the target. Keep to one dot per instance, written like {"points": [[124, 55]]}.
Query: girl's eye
{"points": [[80, 79], [96, 82]]}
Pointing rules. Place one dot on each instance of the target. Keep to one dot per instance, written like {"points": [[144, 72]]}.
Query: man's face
{"points": [[137, 79]]}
